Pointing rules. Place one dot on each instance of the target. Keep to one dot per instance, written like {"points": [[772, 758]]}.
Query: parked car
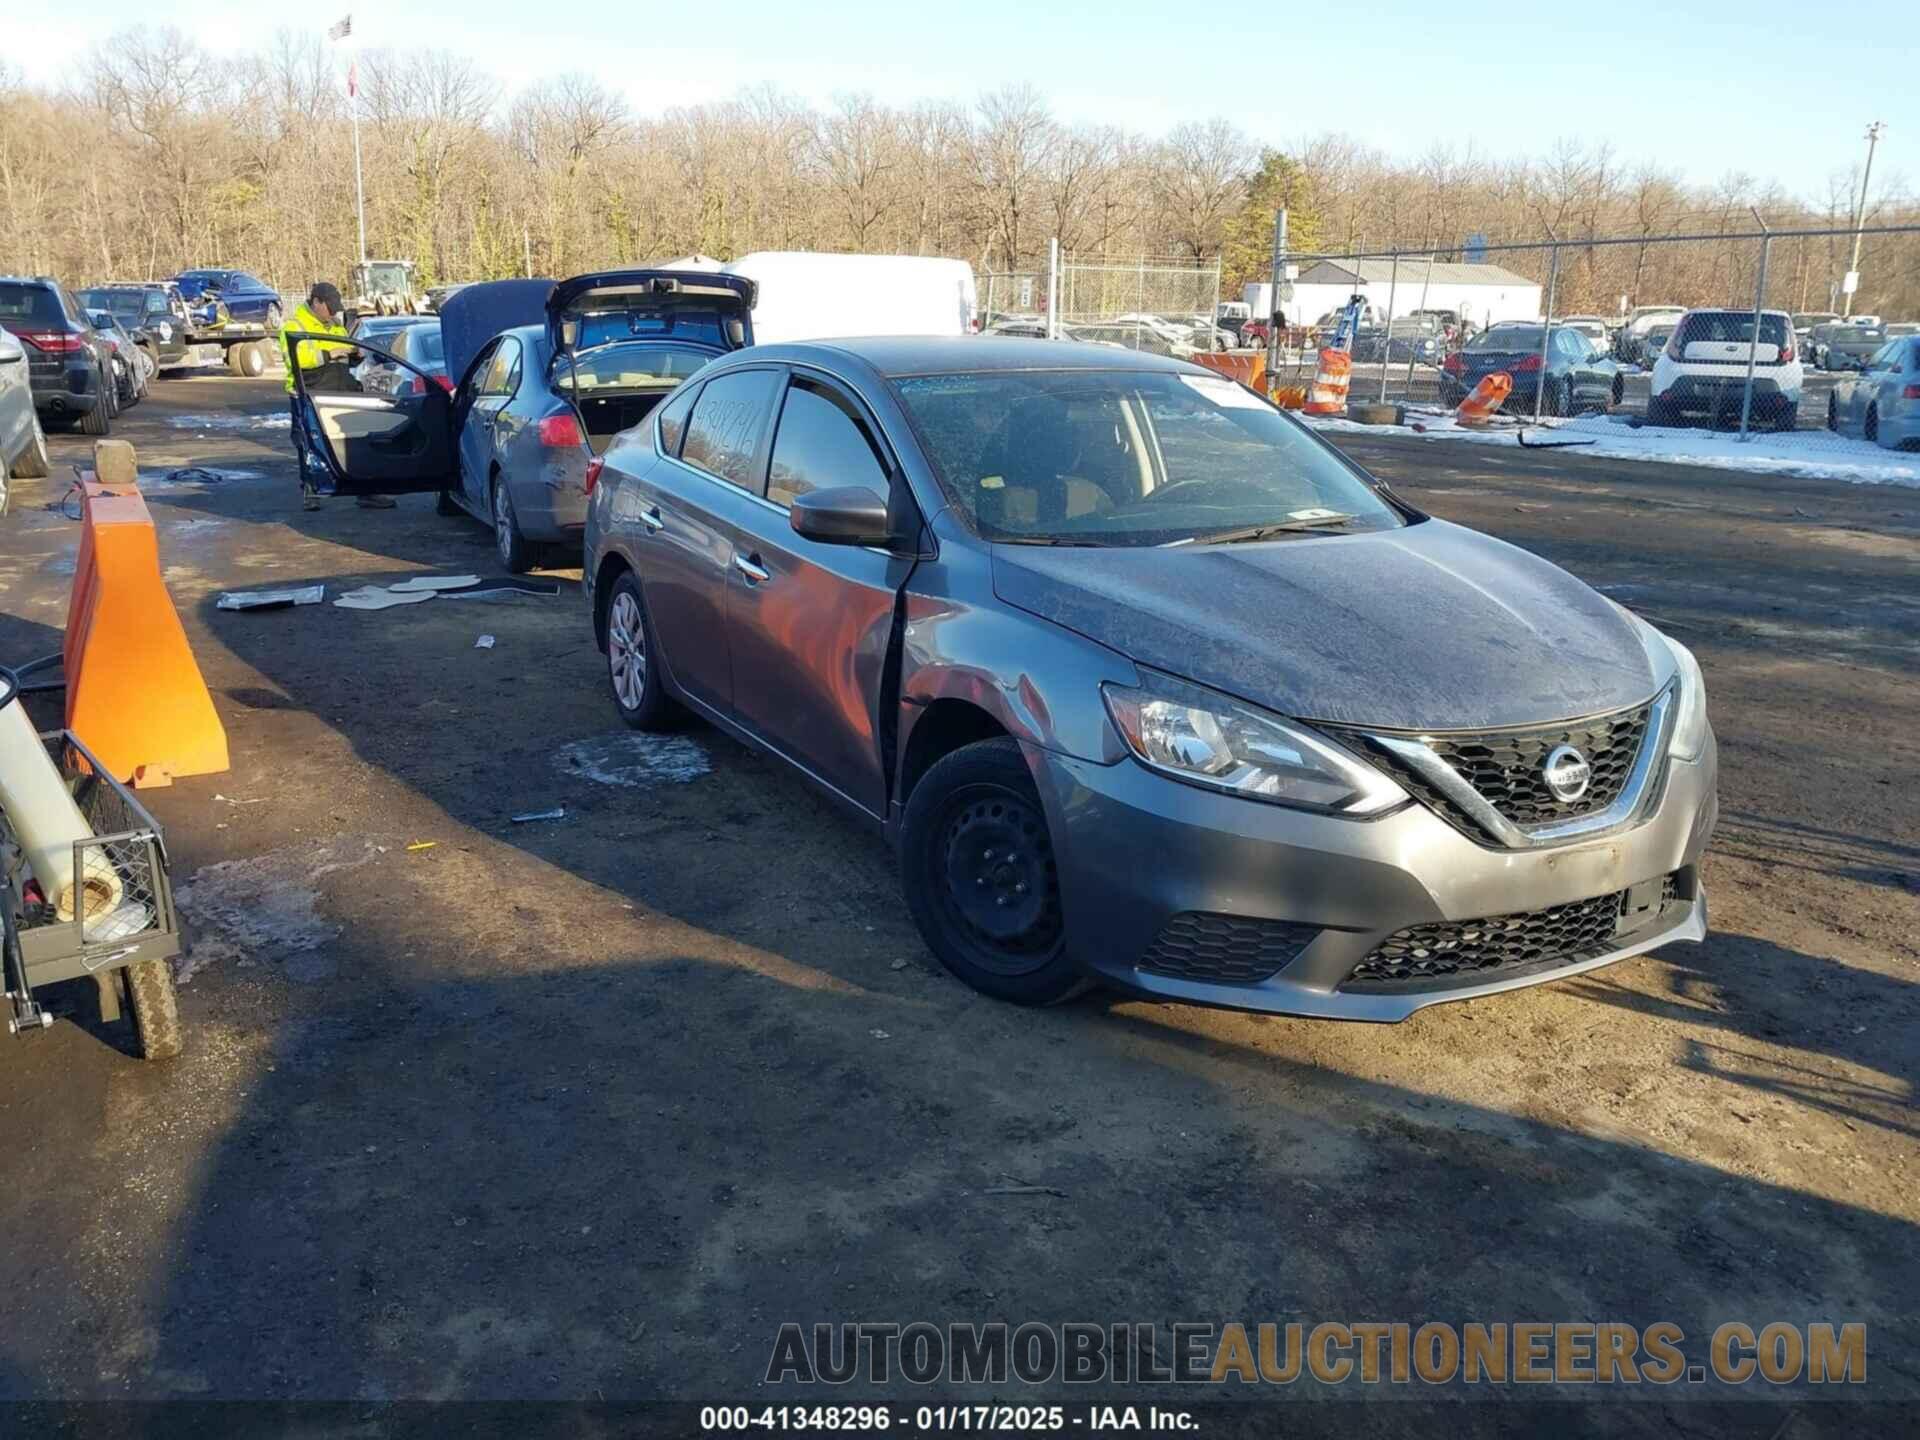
{"points": [[1592, 326], [23, 444], [1846, 346], [1419, 340], [548, 374], [377, 329], [1804, 325], [1130, 336], [1704, 369], [1629, 341], [420, 349], [1882, 403], [1899, 330], [1029, 327], [1140, 678], [245, 299], [155, 315], [132, 367], [69, 363], [1574, 376]]}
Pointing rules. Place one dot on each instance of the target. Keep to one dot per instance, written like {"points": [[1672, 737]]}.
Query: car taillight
{"points": [[446, 382], [594, 467], [54, 342], [1912, 392], [416, 386], [560, 430], [1531, 362]]}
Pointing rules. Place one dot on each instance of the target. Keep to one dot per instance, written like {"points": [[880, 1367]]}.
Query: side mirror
{"points": [[842, 515]]}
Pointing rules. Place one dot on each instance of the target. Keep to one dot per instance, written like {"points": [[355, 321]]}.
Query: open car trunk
{"points": [[605, 416]]}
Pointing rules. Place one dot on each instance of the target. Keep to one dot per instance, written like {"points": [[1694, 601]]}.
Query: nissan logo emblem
{"points": [[1566, 773]]}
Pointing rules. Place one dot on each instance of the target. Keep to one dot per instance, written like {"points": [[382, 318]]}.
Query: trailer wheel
{"points": [[155, 1005]]}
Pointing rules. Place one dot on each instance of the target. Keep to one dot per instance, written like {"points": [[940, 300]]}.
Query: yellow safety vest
{"points": [[310, 354]]}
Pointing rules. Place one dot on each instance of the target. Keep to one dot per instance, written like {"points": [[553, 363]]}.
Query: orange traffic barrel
{"points": [[1484, 399], [1328, 393]]}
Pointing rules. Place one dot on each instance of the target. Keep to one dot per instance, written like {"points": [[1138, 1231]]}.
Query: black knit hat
{"points": [[328, 295]]}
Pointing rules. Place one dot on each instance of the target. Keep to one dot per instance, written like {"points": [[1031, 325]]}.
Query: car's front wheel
{"points": [[631, 672], [977, 864]]}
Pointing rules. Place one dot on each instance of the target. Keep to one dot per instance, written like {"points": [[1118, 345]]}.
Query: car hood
{"points": [[1430, 627], [472, 316]]}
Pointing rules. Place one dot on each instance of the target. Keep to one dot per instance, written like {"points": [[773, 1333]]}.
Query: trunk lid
{"points": [[690, 305]]}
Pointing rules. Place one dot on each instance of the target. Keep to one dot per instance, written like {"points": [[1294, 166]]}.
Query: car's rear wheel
{"points": [[1833, 414], [33, 462], [631, 672], [98, 420], [515, 553], [1660, 411], [977, 865]]}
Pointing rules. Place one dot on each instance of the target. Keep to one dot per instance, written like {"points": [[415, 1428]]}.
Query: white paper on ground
{"points": [[485, 642]]}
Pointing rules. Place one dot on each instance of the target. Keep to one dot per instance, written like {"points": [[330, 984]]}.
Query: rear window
{"points": [[29, 305], [1511, 337], [1731, 326], [123, 304], [629, 367]]}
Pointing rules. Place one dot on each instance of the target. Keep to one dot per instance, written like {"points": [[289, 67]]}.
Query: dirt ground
{"points": [[587, 1108]]}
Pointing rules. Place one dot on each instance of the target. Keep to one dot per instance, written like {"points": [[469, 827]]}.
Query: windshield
{"points": [[387, 279], [1105, 457], [126, 304]]}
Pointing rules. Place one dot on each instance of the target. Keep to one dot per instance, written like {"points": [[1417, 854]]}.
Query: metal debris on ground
{"points": [[503, 589], [271, 599], [559, 812], [435, 582], [376, 597]]}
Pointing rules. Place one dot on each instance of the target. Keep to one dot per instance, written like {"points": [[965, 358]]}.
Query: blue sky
{"points": [[1780, 89]]}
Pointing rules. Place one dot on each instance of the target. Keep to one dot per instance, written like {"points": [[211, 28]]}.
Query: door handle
{"points": [[750, 566], [651, 519]]}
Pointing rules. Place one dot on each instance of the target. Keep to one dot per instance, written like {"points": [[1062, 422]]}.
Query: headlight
{"points": [[1690, 719], [1210, 739]]}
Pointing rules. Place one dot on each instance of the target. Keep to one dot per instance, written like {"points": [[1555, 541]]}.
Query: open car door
{"points": [[376, 444]]}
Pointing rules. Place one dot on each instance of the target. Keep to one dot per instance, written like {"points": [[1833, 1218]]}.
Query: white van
{"points": [[809, 296]]}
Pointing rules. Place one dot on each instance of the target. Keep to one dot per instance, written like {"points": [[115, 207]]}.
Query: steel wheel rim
{"points": [[627, 651], [1010, 930], [503, 521]]}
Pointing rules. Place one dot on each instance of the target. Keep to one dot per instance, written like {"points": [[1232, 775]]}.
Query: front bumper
{"points": [[1135, 850]]}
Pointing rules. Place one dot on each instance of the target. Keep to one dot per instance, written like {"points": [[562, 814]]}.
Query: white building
{"points": [[1483, 294]]}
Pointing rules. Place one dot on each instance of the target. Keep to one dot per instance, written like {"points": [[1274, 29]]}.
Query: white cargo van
{"points": [[809, 296]]}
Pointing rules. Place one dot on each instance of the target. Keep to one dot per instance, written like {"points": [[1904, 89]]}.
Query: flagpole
{"points": [[359, 186]]}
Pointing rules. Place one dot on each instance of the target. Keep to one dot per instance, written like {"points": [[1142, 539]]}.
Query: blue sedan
{"points": [[548, 374], [1881, 403], [247, 300]]}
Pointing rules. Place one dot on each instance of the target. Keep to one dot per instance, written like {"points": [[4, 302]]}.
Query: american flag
{"points": [[341, 28]]}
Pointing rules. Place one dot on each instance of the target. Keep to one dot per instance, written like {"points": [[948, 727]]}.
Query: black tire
{"points": [[126, 387], [638, 693], [155, 1007], [1871, 427], [1833, 414], [1618, 395], [6, 487], [515, 552], [34, 463], [98, 420], [1661, 412], [233, 359], [974, 833], [445, 504]]}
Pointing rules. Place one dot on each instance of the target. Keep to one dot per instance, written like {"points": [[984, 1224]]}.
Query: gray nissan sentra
{"points": [[1146, 683]]}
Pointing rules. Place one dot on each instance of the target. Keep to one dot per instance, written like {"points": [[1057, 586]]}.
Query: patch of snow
{"points": [[266, 907], [1811, 454], [634, 760], [271, 420]]}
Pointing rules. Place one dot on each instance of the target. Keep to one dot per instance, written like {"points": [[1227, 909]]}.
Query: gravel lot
{"points": [[588, 1108]]}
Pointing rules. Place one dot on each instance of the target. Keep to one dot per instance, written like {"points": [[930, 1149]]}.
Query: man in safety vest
{"points": [[316, 358]]}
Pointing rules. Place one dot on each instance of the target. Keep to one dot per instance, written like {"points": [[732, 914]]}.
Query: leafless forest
{"points": [[156, 155]]}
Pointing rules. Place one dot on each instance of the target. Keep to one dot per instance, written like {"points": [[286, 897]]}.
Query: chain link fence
{"points": [[1164, 305], [1744, 334]]}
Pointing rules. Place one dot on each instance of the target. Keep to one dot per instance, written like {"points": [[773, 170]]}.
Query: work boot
{"points": [[375, 502]]}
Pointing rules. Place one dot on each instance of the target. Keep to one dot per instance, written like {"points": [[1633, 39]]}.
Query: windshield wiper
{"points": [[1262, 532], [1048, 540]]}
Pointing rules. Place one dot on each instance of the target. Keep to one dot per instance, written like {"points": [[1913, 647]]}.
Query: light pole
{"points": [[1874, 132]]}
